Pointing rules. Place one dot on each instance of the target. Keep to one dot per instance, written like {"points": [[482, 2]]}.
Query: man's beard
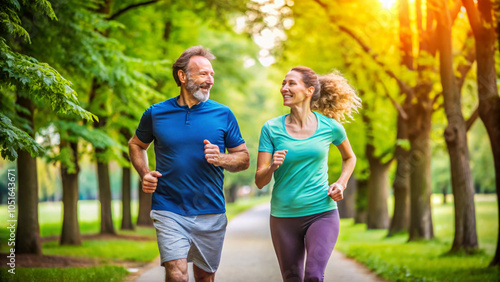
{"points": [[197, 91]]}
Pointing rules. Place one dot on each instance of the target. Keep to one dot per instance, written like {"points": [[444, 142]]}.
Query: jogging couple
{"points": [[195, 139]]}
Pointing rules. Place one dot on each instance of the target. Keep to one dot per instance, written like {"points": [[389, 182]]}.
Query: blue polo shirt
{"points": [[189, 184]]}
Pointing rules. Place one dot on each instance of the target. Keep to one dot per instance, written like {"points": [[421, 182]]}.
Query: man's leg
{"points": [[176, 271], [201, 275]]}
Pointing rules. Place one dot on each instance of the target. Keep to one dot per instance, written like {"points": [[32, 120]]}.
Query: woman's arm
{"points": [[265, 168], [336, 190]]}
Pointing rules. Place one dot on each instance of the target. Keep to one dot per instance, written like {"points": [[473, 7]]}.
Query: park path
{"points": [[248, 255]]}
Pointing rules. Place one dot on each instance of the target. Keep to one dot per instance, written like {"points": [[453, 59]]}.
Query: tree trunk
{"points": [[143, 218], [482, 25], [361, 202], [126, 196], [105, 197], [445, 194], [70, 234], [28, 239], [456, 140], [347, 207], [401, 186], [126, 188], [378, 215], [420, 169], [232, 194]]}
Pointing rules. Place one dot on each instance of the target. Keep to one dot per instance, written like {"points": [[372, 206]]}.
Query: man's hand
{"points": [[149, 181], [336, 191], [212, 153]]}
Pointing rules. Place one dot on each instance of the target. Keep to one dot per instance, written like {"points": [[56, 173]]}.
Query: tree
{"points": [[419, 117], [481, 20], [456, 138], [31, 82], [401, 185]]}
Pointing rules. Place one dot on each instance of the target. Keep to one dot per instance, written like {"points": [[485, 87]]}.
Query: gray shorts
{"points": [[198, 238]]}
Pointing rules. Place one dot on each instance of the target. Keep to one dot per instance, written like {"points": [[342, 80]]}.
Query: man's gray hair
{"points": [[183, 61]]}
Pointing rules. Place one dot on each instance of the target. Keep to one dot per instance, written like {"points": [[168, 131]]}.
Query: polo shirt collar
{"points": [[186, 107]]}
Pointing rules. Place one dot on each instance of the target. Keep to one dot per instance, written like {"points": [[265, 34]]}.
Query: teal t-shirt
{"points": [[301, 182]]}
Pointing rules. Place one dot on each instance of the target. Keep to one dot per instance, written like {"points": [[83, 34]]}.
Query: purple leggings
{"points": [[313, 235]]}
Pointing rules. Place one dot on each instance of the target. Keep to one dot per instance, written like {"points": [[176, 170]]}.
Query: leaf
{"points": [[16, 3]]}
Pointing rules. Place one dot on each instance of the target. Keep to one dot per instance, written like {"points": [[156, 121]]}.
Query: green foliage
{"points": [[26, 76], [9, 18], [40, 80], [72, 131], [13, 139], [83, 274]]}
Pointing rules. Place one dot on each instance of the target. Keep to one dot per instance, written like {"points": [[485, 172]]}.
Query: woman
{"points": [[294, 147]]}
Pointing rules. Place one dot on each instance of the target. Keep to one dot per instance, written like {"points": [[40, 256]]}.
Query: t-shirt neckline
{"points": [[301, 139]]}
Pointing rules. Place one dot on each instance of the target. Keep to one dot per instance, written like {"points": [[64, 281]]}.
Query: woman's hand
{"points": [[278, 159], [336, 191]]}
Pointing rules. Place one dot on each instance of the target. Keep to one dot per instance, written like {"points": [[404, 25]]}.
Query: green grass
{"points": [[396, 259], [106, 250], [73, 274]]}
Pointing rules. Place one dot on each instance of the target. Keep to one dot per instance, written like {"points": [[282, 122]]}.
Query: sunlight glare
{"points": [[387, 3]]}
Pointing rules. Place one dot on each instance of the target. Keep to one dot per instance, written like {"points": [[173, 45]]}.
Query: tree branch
{"points": [[130, 7], [473, 15], [396, 105], [404, 88], [455, 10], [472, 118], [464, 67]]}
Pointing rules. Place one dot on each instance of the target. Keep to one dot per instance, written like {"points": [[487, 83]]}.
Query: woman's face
{"points": [[293, 89]]}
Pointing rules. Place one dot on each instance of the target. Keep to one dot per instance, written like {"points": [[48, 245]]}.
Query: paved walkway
{"points": [[248, 255]]}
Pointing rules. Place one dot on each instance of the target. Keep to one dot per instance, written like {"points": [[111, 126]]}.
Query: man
{"points": [[191, 134]]}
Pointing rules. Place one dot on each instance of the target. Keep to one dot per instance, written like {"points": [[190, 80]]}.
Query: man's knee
{"points": [[202, 275], [176, 271]]}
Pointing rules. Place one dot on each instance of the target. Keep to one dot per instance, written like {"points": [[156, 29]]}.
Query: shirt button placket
{"points": [[188, 115]]}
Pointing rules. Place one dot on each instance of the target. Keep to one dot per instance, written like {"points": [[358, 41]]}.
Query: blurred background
{"points": [[76, 76]]}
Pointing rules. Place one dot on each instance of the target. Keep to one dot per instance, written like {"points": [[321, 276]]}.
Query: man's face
{"points": [[200, 78]]}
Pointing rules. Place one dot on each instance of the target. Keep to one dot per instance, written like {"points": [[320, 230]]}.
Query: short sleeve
{"points": [[338, 133], [145, 129], [265, 143], [233, 135]]}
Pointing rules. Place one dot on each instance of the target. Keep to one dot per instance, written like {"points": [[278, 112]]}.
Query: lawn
{"points": [[396, 259]]}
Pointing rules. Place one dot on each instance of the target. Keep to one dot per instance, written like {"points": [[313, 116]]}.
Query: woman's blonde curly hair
{"points": [[333, 96]]}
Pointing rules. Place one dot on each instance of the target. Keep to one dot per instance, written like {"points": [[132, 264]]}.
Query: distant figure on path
{"points": [[294, 147], [191, 134]]}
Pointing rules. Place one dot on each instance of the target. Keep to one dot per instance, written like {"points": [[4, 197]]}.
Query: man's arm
{"points": [[139, 159], [236, 159]]}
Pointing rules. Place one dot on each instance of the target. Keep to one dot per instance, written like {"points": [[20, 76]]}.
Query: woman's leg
{"points": [[320, 239], [288, 241]]}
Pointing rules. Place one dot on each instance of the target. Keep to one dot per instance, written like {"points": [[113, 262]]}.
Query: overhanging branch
{"points": [[472, 118], [130, 7]]}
